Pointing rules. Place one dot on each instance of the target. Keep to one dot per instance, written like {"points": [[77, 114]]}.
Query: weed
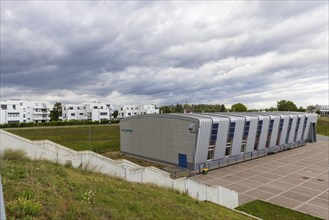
{"points": [[10, 154], [24, 207], [89, 197]]}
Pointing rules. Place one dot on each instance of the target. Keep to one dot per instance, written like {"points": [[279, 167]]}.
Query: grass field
{"points": [[45, 190], [269, 211], [99, 138], [323, 126]]}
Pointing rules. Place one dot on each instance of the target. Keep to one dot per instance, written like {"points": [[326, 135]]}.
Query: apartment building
{"points": [[23, 111], [87, 111], [130, 110]]}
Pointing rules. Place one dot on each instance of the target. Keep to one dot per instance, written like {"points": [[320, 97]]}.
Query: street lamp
{"points": [[193, 128]]}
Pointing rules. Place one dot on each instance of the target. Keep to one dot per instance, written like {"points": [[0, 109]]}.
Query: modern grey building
{"points": [[212, 140]]}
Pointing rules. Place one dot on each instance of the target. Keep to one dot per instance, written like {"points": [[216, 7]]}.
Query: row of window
{"points": [[230, 136], [101, 114]]}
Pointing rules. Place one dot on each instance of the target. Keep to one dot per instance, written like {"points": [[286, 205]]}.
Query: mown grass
{"points": [[323, 126], [98, 138], [269, 211], [45, 190]]}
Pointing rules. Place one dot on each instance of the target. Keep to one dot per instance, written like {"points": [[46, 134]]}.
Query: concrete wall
{"points": [[119, 168]]}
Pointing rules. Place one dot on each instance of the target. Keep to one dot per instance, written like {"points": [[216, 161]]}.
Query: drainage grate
{"points": [[306, 178], [320, 180]]}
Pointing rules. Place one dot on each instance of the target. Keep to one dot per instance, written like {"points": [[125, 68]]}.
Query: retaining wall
{"points": [[119, 168]]}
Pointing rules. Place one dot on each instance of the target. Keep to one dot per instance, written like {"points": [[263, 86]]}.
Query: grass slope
{"points": [[45, 190], [99, 138], [269, 211], [323, 126]]}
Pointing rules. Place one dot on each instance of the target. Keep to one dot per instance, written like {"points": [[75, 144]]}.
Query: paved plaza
{"points": [[296, 179]]}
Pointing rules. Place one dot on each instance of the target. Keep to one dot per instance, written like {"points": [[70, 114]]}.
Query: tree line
{"points": [[282, 105]]}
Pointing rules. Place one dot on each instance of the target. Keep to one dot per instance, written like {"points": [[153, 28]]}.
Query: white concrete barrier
{"points": [[124, 169]]}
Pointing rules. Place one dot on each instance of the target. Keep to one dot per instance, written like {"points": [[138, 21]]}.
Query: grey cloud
{"points": [[169, 51]]}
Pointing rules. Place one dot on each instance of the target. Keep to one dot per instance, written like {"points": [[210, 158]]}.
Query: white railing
{"points": [[119, 168]]}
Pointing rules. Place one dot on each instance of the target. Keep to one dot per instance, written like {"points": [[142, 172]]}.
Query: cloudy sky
{"points": [[165, 52]]}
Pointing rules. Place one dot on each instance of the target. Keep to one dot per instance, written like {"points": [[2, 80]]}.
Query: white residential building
{"points": [[130, 110], [324, 109], [21, 111], [87, 111]]}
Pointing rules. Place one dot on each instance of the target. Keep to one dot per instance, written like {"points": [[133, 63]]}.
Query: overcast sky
{"points": [[163, 53]]}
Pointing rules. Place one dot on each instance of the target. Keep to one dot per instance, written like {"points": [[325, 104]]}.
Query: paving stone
{"points": [[314, 210], [296, 196], [285, 202], [259, 194], [323, 203]]}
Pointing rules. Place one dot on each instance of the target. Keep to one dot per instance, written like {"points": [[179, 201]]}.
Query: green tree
{"points": [[311, 108], [115, 114], [285, 105], [301, 109], [222, 108], [238, 107], [56, 112], [178, 108], [318, 112]]}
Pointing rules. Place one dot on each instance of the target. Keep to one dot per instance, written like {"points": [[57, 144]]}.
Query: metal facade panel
{"points": [[252, 134], [275, 130], [284, 129], [300, 128], [238, 133], [203, 140], [293, 128], [312, 118], [160, 138], [263, 135], [221, 138]]}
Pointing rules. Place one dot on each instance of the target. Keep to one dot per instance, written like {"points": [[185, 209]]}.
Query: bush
{"points": [[10, 154]]}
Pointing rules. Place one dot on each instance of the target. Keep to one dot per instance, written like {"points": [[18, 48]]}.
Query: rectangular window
{"points": [[214, 130], [3, 107], [80, 113], [14, 107], [269, 134], [259, 131], [103, 113], [72, 114], [246, 128], [297, 127], [13, 114], [231, 130], [279, 132], [304, 127]]}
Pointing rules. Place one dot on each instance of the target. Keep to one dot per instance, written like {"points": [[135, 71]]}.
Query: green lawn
{"points": [[323, 126], [99, 138], [45, 190], [269, 211]]}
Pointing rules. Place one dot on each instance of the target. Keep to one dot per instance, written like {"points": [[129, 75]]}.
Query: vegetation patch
{"points": [[97, 138], [269, 211], [10, 154], [47, 190], [323, 126]]}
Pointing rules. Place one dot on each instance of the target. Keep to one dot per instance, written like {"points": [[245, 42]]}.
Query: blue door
{"points": [[182, 160]]}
